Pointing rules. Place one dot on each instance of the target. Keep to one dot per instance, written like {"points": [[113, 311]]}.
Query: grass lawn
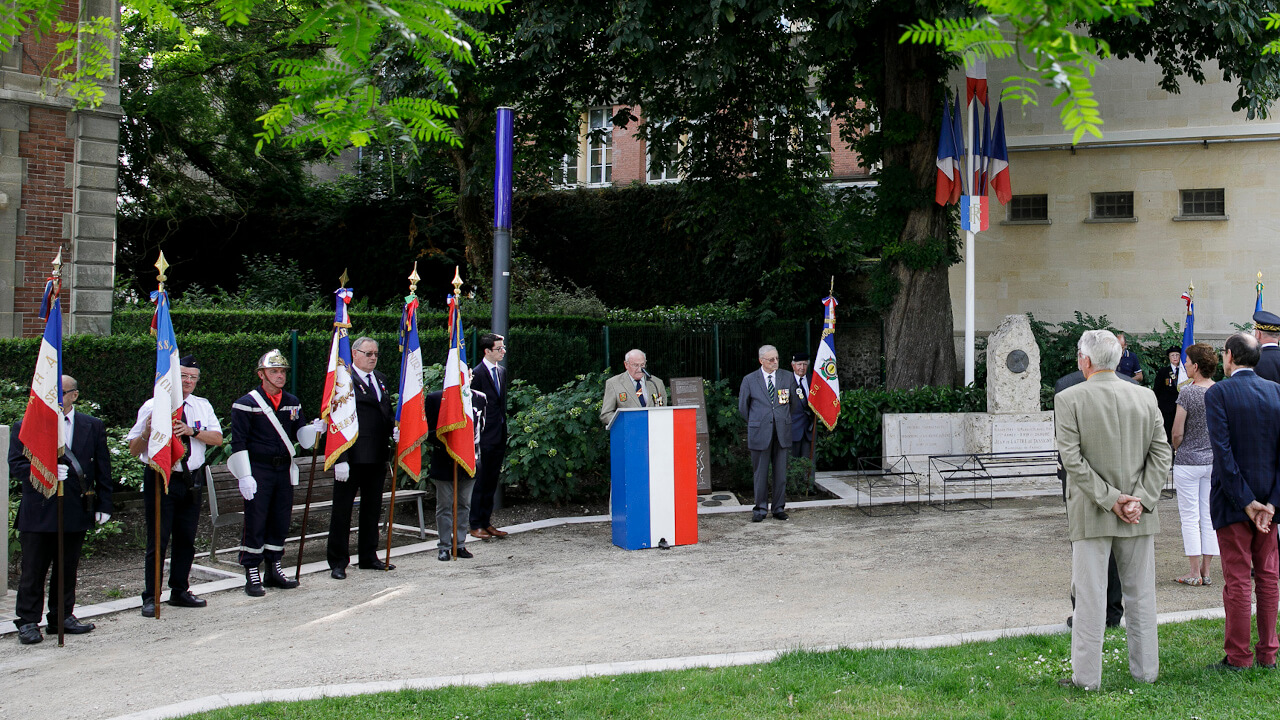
{"points": [[1013, 678]]}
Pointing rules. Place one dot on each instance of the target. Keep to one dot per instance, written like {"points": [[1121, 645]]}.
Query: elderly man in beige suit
{"points": [[632, 389], [1113, 447]]}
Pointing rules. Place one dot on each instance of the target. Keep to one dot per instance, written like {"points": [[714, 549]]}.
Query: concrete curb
{"points": [[574, 672]]}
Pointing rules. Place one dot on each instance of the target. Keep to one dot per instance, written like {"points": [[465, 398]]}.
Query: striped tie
{"points": [[772, 392]]}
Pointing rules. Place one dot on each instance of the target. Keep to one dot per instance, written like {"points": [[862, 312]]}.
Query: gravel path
{"points": [[566, 596]]}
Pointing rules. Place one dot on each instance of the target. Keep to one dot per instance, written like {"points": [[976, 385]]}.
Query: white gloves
{"points": [[102, 517], [319, 425], [248, 487], [62, 473], [293, 476], [341, 472], [395, 434]]}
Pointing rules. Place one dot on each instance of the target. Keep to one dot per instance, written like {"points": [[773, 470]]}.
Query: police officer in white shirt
{"points": [[198, 428]]}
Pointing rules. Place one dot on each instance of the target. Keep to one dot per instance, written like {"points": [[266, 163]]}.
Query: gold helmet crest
{"points": [[273, 359]]}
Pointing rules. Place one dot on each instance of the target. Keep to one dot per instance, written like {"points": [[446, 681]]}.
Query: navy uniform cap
{"points": [[800, 357], [189, 361], [1266, 321]]}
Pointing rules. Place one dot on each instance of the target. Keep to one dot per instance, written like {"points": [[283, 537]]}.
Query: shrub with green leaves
{"points": [[557, 448]]}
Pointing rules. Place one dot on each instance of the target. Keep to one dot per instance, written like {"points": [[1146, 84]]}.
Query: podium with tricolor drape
{"points": [[654, 455]]}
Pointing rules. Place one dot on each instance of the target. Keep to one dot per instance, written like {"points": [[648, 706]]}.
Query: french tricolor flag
{"points": [[654, 477], [42, 434], [411, 417], [164, 449]]}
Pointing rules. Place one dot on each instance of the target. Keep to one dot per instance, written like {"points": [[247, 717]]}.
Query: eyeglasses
{"points": [[192, 378], [368, 354], [72, 390]]}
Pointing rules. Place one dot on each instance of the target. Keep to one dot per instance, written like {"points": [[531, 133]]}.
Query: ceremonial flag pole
{"points": [[1257, 305], [337, 405], [824, 373], [1188, 333], [456, 426], [411, 418], [43, 433], [163, 448]]}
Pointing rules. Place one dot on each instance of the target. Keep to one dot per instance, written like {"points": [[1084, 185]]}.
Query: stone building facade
{"points": [[57, 189], [1178, 191]]}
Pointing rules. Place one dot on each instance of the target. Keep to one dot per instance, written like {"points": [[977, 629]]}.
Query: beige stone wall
{"points": [[1134, 272]]}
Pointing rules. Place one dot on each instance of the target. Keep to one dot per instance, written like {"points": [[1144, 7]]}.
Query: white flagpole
{"points": [[968, 254]]}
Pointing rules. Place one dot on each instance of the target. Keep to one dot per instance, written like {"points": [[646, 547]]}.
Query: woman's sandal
{"points": [[1206, 581], [1192, 580]]}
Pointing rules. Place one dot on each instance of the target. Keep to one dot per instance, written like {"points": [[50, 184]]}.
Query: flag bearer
{"points": [[264, 423]]}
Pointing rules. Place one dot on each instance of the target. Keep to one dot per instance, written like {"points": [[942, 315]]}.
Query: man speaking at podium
{"points": [[632, 389]]}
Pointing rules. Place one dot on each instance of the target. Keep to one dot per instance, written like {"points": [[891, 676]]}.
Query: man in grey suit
{"points": [[1111, 439], [766, 400], [632, 388]]}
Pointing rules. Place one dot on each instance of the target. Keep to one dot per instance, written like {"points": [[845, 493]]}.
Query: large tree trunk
{"points": [[919, 345], [470, 211]]}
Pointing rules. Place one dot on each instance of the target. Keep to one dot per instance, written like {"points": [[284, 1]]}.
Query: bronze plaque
{"points": [[688, 392]]}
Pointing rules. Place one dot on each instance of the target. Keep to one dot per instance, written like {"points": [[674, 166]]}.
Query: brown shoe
{"points": [[481, 533], [496, 532]]}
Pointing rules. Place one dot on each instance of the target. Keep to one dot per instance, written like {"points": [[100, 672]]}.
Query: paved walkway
{"points": [[562, 601]]}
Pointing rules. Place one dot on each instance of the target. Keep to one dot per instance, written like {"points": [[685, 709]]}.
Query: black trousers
{"points": [[266, 517], [39, 554], [367, 480], [179, 518], [486, 484]]}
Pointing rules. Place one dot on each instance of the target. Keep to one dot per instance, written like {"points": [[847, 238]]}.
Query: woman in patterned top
{"points": [[1192, 463]]}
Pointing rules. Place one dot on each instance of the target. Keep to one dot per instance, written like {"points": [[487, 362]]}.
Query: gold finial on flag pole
{"points": [[162, 265], [832, 291], [413, 279], [343, 279], [57, 264], [457, 281]]}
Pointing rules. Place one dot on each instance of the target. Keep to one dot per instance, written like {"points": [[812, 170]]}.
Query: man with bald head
{"points": [[632, 388], [85, 471]]}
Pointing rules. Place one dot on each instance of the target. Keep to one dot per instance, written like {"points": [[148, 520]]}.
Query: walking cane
{"points": [[391, 512], [306, 510], [62, 563], [159, 562]]}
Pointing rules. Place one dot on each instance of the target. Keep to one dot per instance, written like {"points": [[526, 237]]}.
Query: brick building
{"points": [[619, 158], [57, 189]]}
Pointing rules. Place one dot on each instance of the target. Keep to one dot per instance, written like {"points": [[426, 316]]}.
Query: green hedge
{"points": [[858, 432], [138, 322]]}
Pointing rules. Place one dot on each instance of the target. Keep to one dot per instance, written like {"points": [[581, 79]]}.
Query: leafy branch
{"points": [[1047, 38]]}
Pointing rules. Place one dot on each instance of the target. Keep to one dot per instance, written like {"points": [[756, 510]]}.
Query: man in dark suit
{"points": [[1166, 389], [367, 466], [766, 400], [86, 474], [801, 413], [1243, 417], [1266, 328], [490, 378]]}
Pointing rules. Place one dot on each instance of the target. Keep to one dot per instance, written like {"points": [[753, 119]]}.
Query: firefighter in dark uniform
{"points": [[264, 423]]}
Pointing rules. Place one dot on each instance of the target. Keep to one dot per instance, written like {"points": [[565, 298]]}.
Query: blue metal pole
{"points": [[504, 147]]}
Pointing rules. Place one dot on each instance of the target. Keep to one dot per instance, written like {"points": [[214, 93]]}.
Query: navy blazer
{"points": [[376, 417], [494, 433], [36, 513], [801, 413], [1243, 417], [1269, 364]]}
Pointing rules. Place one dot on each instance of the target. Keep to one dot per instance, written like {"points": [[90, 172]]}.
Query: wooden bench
{"points": [[226, 506]]}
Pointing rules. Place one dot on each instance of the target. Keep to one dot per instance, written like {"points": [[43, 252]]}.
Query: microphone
{"points": [[646, 373]]}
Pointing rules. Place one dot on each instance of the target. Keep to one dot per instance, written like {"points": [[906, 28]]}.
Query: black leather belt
{"points": [[273, 461]]}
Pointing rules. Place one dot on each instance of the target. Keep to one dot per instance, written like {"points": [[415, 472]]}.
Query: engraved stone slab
{"points": [[688, 391], [922, 434], [1021, 436]]}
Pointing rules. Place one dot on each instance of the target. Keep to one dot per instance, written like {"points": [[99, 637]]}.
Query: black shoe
{"points": [[1267, 666], [1069, 621], [443, 555], [275, 577], [149, 608], [780, 515], [757, 516], [29, 634], [464, 553], [253, 582], [377, 565], [338, 573], [1224, 665], [186, 598], [72, 626]]}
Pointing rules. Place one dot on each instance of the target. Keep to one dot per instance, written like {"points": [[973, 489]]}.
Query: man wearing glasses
{"points": [[632, 388], [363, 467], [198, 428], [490, 377], [85, 471]]}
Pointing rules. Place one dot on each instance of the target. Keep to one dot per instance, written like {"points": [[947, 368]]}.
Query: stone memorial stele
{"points": [[688, 391], [1013, 368]]}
